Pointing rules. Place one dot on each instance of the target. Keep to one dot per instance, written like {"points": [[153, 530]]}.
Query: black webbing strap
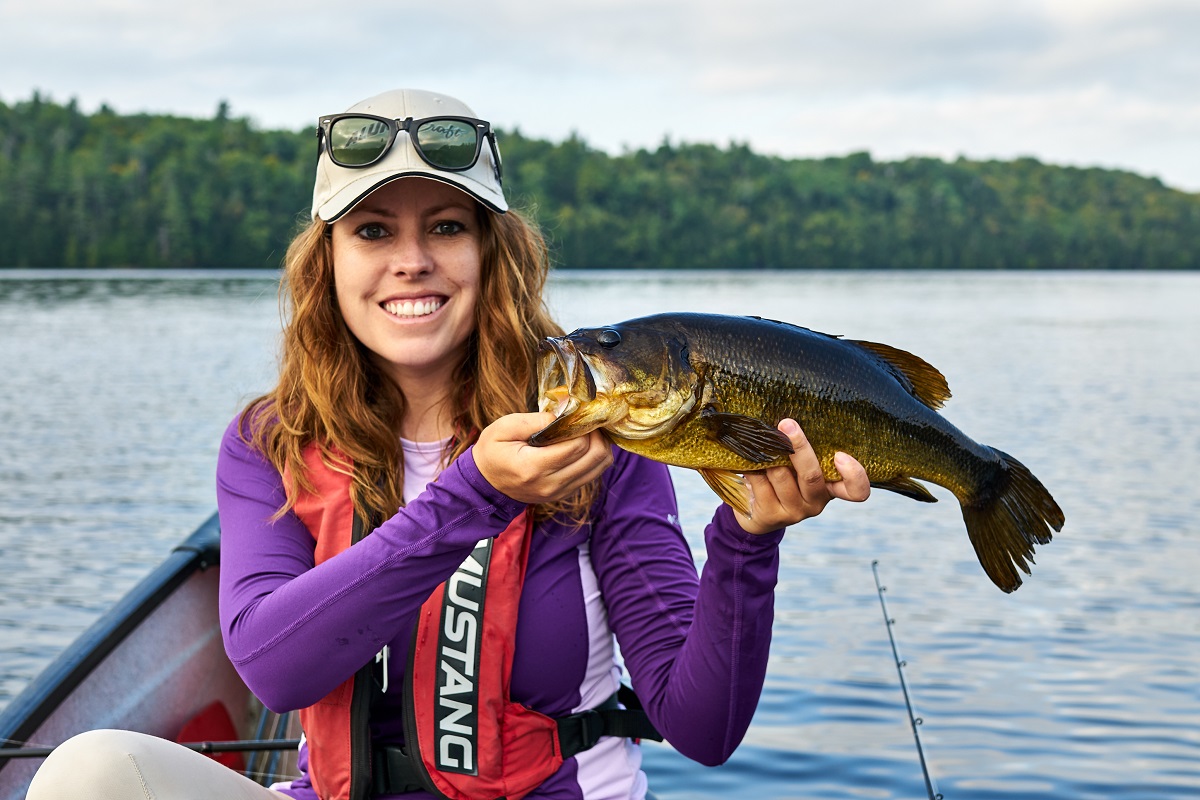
{"points": [[394, 772], [579, 732]]}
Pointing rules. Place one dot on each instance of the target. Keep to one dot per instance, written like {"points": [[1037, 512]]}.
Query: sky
{"points": [[1109, 83]]}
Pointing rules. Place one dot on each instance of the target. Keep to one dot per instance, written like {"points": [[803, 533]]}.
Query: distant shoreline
{"points": [[87, 190], [256, 273]]}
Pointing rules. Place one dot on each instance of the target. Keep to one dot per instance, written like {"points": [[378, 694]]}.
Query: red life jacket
{"points": [[465, 738]]}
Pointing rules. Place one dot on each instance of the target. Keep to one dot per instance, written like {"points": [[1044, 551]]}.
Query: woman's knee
{"points": [[101, 763]]}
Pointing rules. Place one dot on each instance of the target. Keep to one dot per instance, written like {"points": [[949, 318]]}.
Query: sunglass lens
{"points": [[448, 143], [355, 141]]}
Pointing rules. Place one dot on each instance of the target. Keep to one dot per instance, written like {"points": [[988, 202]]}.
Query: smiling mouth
{"points": [[410, 309]]}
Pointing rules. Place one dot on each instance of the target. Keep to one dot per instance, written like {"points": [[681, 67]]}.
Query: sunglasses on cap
{"points": [[452, 144]]}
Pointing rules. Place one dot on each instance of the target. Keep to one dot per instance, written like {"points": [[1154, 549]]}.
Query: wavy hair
{"points": [[330, 392]]}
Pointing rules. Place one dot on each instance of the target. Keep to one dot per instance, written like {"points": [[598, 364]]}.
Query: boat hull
{"points": [[151, 664]]}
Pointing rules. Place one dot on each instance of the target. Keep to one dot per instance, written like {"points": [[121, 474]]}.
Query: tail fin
{"points": [[1007, 519]]}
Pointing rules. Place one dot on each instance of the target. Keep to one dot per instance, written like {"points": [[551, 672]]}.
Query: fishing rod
{"points": [[245, 746], [914, 720]]}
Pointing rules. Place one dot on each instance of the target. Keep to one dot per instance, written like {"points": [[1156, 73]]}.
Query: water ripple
{"points": [[1084, 684]]}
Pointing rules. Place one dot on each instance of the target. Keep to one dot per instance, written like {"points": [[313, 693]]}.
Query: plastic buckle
{"points": [[591, 728]]}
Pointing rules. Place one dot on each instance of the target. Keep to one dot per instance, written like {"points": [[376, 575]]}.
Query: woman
{"points": [[402, 411]]}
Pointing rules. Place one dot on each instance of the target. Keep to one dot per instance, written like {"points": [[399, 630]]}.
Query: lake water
{"points": [[1085, 683]]}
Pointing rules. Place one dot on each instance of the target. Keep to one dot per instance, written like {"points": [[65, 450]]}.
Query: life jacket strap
{"points": [[394, 772], [579, 732]]}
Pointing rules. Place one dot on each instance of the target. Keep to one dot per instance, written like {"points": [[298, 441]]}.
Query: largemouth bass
{"points": [[706, 391]]}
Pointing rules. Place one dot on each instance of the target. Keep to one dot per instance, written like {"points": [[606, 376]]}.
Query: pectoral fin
{"points": [[729, 487], [907, 487], [750, 438]]}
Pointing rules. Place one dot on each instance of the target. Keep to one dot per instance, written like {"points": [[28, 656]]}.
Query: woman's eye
{"points": [[449, 228], [372, 230]]}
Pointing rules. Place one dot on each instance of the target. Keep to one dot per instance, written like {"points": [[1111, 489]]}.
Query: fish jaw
{"points": [[584, 418]]}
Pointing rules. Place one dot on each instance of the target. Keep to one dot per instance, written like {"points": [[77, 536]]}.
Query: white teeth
{"points": [[407, 308]]}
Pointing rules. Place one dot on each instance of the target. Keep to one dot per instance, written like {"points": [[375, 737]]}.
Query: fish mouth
{"points": [[568, 389], [564, 379]]}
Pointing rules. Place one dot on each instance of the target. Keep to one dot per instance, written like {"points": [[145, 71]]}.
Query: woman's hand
{"points": [[780, 497], [538, 474]]}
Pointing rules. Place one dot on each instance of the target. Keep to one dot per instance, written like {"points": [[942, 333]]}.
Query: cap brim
{"points": [[352, 193]]}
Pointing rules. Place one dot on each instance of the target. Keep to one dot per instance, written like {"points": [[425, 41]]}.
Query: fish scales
{"points": [[706, 391], [832, 387]]}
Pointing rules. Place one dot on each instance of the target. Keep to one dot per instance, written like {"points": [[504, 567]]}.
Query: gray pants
{"points": [[123, 765]]}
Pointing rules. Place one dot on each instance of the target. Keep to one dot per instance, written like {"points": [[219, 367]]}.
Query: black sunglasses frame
{"points": [[483, 130]]}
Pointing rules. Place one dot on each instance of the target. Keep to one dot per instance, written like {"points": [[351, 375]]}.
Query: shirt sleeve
{"points": [[295, 630], [696, 647]]}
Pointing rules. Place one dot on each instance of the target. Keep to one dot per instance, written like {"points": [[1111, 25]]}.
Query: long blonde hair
{"points": [[331, 394]]}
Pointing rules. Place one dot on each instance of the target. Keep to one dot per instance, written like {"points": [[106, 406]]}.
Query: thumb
{"points": [[519, 427]]}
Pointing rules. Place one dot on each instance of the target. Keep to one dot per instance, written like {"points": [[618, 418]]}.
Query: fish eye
{"points": [[608, 338]]}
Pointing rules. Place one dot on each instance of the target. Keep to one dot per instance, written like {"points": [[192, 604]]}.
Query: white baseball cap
{"points": [[338, 189]]}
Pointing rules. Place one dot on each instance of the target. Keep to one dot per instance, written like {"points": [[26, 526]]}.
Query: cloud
{"points": [[1107, 82]]}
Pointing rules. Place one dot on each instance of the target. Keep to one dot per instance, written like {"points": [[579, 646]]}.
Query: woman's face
{"points": [[406, 268]]}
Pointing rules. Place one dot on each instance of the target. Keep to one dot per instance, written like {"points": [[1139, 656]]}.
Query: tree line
{"points": [[152, 190]]}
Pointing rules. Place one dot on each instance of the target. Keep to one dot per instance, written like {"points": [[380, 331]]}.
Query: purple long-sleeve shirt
{"points": [[695, 647]]}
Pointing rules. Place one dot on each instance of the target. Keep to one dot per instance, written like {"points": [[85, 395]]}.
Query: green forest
{"points": [[82, 190]]}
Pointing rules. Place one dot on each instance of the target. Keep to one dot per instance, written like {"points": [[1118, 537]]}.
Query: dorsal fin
{"points": [[921, 379]]}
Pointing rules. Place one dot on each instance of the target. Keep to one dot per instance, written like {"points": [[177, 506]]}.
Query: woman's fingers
{"points": [[854, 486], [808, 477], [782, 496], [538, 474], [582, 462]]}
